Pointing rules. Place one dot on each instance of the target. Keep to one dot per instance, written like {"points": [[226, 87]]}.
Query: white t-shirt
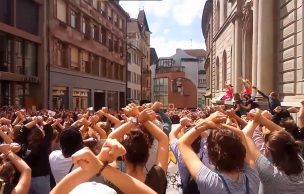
{"points": [[60, 165]]}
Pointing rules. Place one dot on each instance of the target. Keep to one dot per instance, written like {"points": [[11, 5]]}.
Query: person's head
{"points": [[225, 150], [136, 144], [246, 96], [284, 152], [289, 124], [236, 96], [35, 137], [70, 141], [7, 171], [274, 95]]}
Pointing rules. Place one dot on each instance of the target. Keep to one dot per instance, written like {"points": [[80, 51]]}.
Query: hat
{"points": [[93, 188]]}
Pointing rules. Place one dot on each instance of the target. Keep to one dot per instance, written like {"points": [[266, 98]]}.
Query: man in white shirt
{"points": [[60, 160]]}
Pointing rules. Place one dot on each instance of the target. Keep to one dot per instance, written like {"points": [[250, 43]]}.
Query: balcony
{"points": [[171, 69]]}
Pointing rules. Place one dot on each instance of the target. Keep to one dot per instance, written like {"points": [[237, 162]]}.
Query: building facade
{"points": [[138, 38], [260, 40], [87, 54], [139, 79], [22, 57], [175, 79]]}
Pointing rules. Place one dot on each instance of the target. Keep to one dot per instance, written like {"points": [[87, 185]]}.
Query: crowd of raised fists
{"points": [[127, 152]]}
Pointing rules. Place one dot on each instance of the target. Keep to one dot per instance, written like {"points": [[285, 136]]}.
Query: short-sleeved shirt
{"points": [[211, 183], [277, 182], [183, 171]]}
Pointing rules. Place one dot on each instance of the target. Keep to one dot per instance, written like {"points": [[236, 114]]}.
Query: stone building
{"points": [[260, 40], [87, 53], [23, 80], [176, 78], [138, 38]]}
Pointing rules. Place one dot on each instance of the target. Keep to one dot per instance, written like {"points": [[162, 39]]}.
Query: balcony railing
{"points": [[170, 69]]}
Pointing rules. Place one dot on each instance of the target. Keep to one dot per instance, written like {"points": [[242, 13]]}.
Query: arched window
{"points": [[217, 16], [217, 74], [224, 69]]}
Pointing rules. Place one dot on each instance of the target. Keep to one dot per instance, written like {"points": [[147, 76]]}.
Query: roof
{"points": [[143, 20], [196, 52], [153, 56], [207, 13]]}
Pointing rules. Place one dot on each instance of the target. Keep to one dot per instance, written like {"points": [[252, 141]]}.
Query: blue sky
{"points": [[173, 23]]}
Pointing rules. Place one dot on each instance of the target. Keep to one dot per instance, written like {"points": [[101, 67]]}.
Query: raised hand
{"points": [[217, 117], [85, 159], [111, 150], [131, 110], [146, 115], [186, 122], [15, 147], [157, 105]]}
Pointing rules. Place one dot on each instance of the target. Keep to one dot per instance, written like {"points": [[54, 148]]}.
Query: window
{"points": [[115, 19], [6, 11], [61, 10], [103, 66], [217, 74], [120, 23], [75, 59], [109, 13], [204, 81], [129, 57], [129, 93], [103, 35], [86, 27], [161, 90], [200, 81], [129, 76], [60, 54], [109, 69], [95, 4], [27, 16], [86, 65], [73, 19], [101, 8], [19, 56], [5, 53], [30, 62], [110, 42], [95, 65], [95, 32], [115, 44]]}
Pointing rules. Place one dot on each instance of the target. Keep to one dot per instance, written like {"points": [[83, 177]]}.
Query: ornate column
{"points": [[237, 54], [255, 41], [265, 46]]}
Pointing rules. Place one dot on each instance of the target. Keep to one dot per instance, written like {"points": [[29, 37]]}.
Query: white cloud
{"points": [[166, 31], [166, 48], [183, 12]]}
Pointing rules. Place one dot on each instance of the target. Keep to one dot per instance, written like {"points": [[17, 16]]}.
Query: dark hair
{"points": [[236, 96], [137, 146], [7, 171], [285, 152], [225, 150], [70, 141], [35, 137]]}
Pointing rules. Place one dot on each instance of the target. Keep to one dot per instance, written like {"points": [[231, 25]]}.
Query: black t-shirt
{"points": [[38, 157], [277, 117], [156, 179]]}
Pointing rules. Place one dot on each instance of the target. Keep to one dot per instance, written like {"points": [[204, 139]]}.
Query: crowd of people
{"points": [[242, 150]]}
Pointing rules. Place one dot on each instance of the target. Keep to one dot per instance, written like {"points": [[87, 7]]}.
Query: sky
{"points": [[173, 23]]}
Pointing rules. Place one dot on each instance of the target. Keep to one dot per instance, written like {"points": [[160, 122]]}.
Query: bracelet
{"points": [[105, 164]]}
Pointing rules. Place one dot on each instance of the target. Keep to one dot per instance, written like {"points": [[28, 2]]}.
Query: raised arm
{"points": [[104, 112], [145, 118], [24, 182], [184, 122]]}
